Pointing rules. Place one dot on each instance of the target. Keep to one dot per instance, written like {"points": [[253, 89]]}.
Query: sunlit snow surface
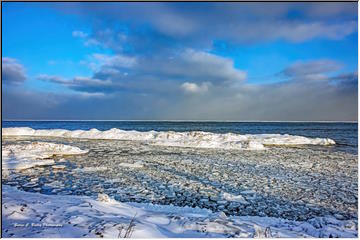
{"points": [[59, 216], [293, 187]]}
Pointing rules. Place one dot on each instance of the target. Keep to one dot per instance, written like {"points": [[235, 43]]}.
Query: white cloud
{"points": [[191, 65], [86, 81], [173, 24], [87, 40], [210, 64], [188, 87], [300, 32], [116, 61], [51, 78], [92, 42], [317, 70], [79, 34], [91, 94]]}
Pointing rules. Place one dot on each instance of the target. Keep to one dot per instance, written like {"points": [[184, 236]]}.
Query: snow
{"points": [[193, 139], [23, 156], [27, 214]]}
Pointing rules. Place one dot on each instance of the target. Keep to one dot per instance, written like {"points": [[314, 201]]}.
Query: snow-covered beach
{"points": [[60, 183], [38, 215]]}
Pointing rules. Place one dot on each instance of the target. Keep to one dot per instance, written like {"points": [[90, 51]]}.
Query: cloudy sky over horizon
{"points": [[180, 61]]}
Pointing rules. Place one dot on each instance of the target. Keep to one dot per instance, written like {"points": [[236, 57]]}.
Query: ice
{"points": [[91, 169], [20, 164], [138, 164], [81, 216], [23, 156], [192, 139], [233, 198]]}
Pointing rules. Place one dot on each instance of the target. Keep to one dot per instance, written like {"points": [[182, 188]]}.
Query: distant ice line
{"points": [[193, 139]]}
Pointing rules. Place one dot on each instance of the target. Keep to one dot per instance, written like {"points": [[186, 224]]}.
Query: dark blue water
{"points": [[345, 134]]}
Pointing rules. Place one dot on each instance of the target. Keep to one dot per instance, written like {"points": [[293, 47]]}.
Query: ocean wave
{"points": [[192, 139]]}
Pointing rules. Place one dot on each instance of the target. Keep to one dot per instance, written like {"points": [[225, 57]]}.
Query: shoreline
{"points": [[37, 215]]}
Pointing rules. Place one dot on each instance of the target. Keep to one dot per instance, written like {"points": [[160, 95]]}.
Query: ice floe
{"points": [[233, 198], [193, 139], [23, 156]]}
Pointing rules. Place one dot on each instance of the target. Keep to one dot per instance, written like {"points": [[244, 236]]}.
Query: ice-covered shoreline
{"points": [[80, 216], [193, 139]]}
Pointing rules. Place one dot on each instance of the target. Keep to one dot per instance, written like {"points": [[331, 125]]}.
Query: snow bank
{"points": [[65, 216], [23, 156], [194, 139]]}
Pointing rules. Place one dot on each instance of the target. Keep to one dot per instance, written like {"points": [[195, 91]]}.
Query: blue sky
{"points": [[234, 61]]}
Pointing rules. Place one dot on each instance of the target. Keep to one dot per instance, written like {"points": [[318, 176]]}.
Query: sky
{"points": [[180, 61]]}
